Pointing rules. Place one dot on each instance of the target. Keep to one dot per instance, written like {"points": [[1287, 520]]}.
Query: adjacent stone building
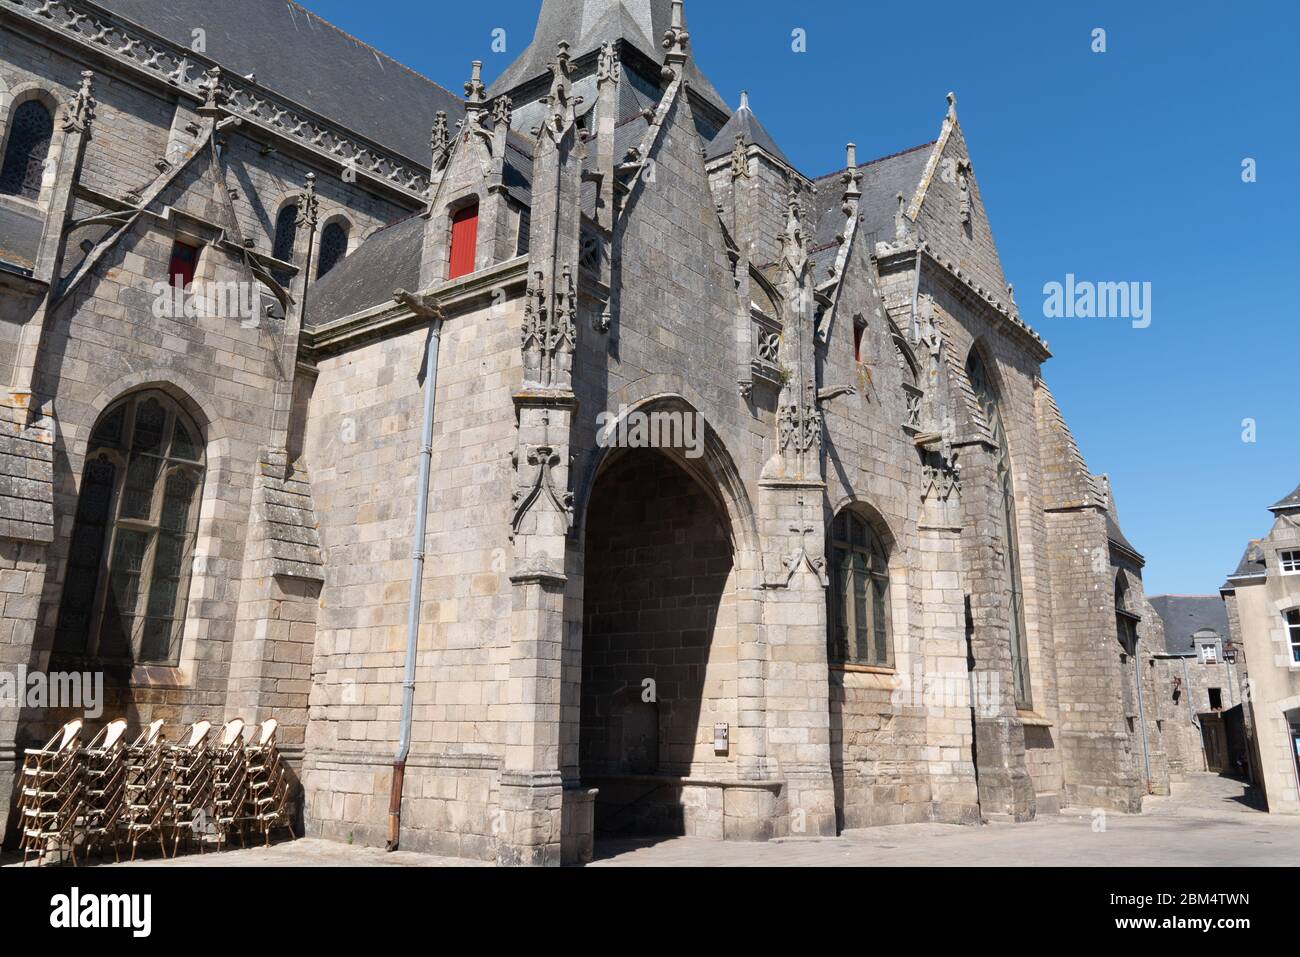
{"points": [[751, 513], [1263, 604], [1201, 679]]}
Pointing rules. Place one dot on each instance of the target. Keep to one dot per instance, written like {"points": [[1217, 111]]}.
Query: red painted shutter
{"points": [[464, 241]]}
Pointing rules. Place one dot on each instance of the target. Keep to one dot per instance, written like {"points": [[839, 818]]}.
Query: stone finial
{"points": [[744, 99], [475, 91], [214, 92], [80, 113], [852, 180], [794, 246], [676, 41], [963, 188], [900, 218], [308, 205], [952, 107], [740, 157], [440, 140], [610, 68], [560, 102], [503, 111]]}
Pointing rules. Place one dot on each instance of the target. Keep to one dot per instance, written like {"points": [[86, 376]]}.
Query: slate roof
{"points": [[1291, 501], [1116, 534], [387, 261], [743, 121], [882, 180], [20, 239], [588, 24], [308, 60], [1252, 562], [1185, 615]]}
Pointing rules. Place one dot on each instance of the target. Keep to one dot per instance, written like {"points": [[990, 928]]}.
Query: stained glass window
{"points": [[128, 572], [859, 597], [988, 397], [30, 132]]}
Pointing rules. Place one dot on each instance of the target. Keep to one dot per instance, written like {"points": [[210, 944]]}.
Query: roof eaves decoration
{"points": [[162, 62]]}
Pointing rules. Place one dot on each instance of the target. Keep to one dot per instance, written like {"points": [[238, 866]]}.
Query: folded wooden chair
{"points": [[104, 763], [229, 782], [50, 793]]}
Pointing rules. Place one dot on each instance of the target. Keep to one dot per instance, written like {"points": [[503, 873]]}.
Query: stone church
{"points": [[260, 283]]}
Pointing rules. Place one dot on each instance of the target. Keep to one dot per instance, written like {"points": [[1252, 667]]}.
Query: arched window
{"points": [[912, 394], [333, 247], [30, 132], [988, 398], [128, 576], [286, 232], [859, 597]]}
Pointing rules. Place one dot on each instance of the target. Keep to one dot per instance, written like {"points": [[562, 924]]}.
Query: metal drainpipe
{"points": [[1142, 711], [417, 580]]}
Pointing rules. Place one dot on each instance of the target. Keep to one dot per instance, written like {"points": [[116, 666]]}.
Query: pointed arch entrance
{"points": [[654, 722]]}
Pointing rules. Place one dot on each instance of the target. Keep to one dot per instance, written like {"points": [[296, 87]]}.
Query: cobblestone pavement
{"points": [[1208, 822]]}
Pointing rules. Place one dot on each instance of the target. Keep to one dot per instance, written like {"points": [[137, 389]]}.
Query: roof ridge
{"points": [[879, 159], [373, 49]]}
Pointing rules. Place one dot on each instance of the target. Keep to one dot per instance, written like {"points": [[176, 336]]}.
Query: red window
{"points": [[185, 258], [464, 241]]}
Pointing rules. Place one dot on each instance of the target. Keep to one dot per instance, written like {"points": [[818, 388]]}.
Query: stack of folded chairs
{"points": [[268, 782], [190, 786], [104, 770], [145, 789], [201, 788], [51, 799], [229, 782]]}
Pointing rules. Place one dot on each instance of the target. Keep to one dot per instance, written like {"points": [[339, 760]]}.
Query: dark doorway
{"points": [[658, 647]]}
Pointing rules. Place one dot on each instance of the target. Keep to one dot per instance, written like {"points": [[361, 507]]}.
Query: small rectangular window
{"points": [[184, 262], [1290, 563], [1216, 699], [525, 227], [859, 329], [1293, 633]]}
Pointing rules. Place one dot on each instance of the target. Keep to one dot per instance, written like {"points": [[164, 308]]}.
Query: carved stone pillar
{"points": [[794, 533], [532, 788]]}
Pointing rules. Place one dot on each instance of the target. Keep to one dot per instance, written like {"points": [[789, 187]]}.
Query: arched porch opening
{"points": [[659, 648]]}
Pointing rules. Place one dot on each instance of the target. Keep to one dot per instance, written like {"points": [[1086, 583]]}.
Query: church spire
{"points": [[657, 29]]}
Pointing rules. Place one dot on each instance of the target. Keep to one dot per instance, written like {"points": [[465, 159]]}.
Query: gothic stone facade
{"points": [[882, 587]]}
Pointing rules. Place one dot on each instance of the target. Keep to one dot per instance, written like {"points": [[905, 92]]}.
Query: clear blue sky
{"points": [[1121, 166]]}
